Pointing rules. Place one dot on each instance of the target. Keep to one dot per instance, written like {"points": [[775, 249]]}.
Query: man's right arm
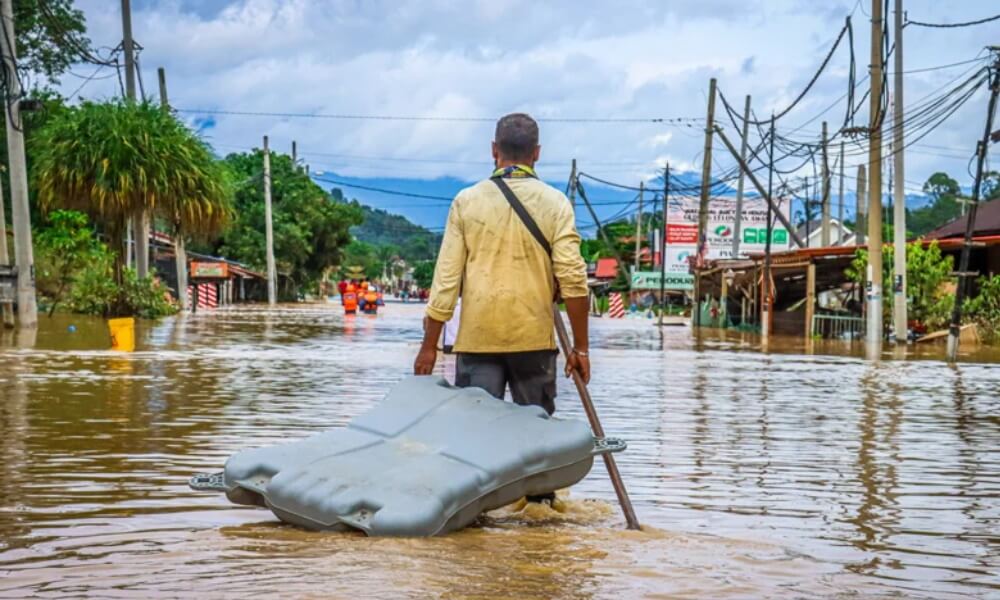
{"points": [[448, 272], [571, 272]]}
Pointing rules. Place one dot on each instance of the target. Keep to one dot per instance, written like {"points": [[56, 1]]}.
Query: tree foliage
{"points": [[310, 230], [928, 273], [984, 309], [51, 36], [423, 274], [111, 160], [945, 206], [64, 247]]}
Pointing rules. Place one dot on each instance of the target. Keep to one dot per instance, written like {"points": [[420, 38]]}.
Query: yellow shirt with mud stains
{"points": [[503, 273]]}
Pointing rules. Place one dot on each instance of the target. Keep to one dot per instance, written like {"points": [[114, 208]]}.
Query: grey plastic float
{"points": [[428, 459]]}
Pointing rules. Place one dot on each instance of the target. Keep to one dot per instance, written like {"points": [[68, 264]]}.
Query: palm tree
{"points": [[116, 159]]}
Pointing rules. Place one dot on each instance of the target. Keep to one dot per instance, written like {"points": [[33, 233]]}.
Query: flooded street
{"points": [[778, 474]]}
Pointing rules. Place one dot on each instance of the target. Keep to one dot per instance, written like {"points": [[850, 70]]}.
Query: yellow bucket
{"points": [[122, 334]]}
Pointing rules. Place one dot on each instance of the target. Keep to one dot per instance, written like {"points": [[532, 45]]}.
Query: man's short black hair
{"points": [[517, 137]]}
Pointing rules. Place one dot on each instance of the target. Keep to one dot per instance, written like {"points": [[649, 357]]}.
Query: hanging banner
{"points": [[682, 226]]}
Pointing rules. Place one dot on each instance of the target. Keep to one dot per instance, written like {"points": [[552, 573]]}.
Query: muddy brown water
{"points": [[795, 472]]}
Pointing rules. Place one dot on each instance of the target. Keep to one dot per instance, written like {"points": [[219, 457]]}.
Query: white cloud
{"points": [[486, 58]]}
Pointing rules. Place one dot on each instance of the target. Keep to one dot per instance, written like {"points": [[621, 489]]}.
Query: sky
{"points": [[584, 59]]}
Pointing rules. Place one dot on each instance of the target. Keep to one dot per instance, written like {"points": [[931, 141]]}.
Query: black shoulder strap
{"points": [[523, 214]]}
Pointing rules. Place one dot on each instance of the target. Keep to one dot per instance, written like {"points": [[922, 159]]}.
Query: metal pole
{"points": [[874, 287], [572, 186], [825, 233], [840, 204], [27, 309], [859, 196], [6, 308], [180, 250], [595, 424], [272, 275], [954, 329], [638, 226], [706, 182], [737, 231], [899, 199], [663, 243]]}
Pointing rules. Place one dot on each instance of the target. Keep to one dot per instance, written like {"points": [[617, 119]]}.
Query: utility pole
{"points": [[874, 285], [27, 309], [180, 250], [825, 234], [272, 273], [954, 330], [6, 308], [899, 199], [706, 184], [765, 322], [840, 203], [663, 243], [638, 226], [140, 221], [860, 207], [737, 231], [572, 186], [807, 210], [295, 156]]}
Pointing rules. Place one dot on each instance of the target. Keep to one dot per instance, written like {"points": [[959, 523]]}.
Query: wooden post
{"points": [[706, 186], [810, 297]]}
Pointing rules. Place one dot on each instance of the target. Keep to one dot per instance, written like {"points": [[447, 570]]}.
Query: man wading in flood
{"points": [[507, 279]]}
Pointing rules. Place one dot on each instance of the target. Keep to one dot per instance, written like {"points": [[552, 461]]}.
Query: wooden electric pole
{"points": [[899, 318], [272, 273], [737, 230], [874, 280], [638, 226], [140, 221], [964, 277], [706, 186], [825, 203], [27, 309], [180, 249], [663, 242]]}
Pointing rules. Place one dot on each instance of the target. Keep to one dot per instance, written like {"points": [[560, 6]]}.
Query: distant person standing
{"points": [[507, 277]]}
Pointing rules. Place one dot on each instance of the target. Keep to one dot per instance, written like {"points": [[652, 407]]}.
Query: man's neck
{"points": [[503, 164]]}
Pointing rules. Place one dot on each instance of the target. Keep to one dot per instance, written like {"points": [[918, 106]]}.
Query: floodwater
{"points": [[756, 474]]}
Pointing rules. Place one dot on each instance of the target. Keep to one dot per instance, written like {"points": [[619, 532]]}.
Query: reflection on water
{"points": [[800, 471]]}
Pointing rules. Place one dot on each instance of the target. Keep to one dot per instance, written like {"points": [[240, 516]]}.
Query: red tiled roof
{"points": [[607, 268], [987, 223]]}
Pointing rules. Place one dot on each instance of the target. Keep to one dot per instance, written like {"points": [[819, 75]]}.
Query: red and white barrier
{"points": [[616, 309]]}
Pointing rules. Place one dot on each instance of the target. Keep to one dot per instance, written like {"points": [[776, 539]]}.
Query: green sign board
{"points": [[758, 235], [650, 280]]}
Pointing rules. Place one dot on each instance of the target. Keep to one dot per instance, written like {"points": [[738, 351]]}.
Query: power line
{"points": [[382, 190], [951, 25], [680, 121]]}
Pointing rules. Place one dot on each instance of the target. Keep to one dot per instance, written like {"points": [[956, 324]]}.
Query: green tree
{"points": [[423, 274], [65, 246], [927, 274], [111, 160], [310, 229], [984, 309], [945, 206], [51, 37]]}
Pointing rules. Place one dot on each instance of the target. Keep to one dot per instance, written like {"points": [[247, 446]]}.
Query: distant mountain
{"points": [[381, 228]]}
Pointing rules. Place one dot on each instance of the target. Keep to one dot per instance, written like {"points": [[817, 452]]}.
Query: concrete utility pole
{"points": [[706, 185], [6, 308], [825, 233], [860, 207], [295, 155], [180, 250], [954, 330], [140, 221], [27, 309], [272, 273], [765, 321], [899, 317], [874, 286], [663, 242], [840, 204], [737, 231], [638, 226]]}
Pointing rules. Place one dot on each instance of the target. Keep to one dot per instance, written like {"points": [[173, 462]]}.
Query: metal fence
{"points": [[838, 327]]}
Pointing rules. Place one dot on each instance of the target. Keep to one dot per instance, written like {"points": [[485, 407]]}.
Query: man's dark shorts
{"points": [[531, 375]]}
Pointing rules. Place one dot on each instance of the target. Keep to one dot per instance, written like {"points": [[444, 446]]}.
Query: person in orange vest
{"points": [[350, 300], [362, 292], [371, 301]]}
